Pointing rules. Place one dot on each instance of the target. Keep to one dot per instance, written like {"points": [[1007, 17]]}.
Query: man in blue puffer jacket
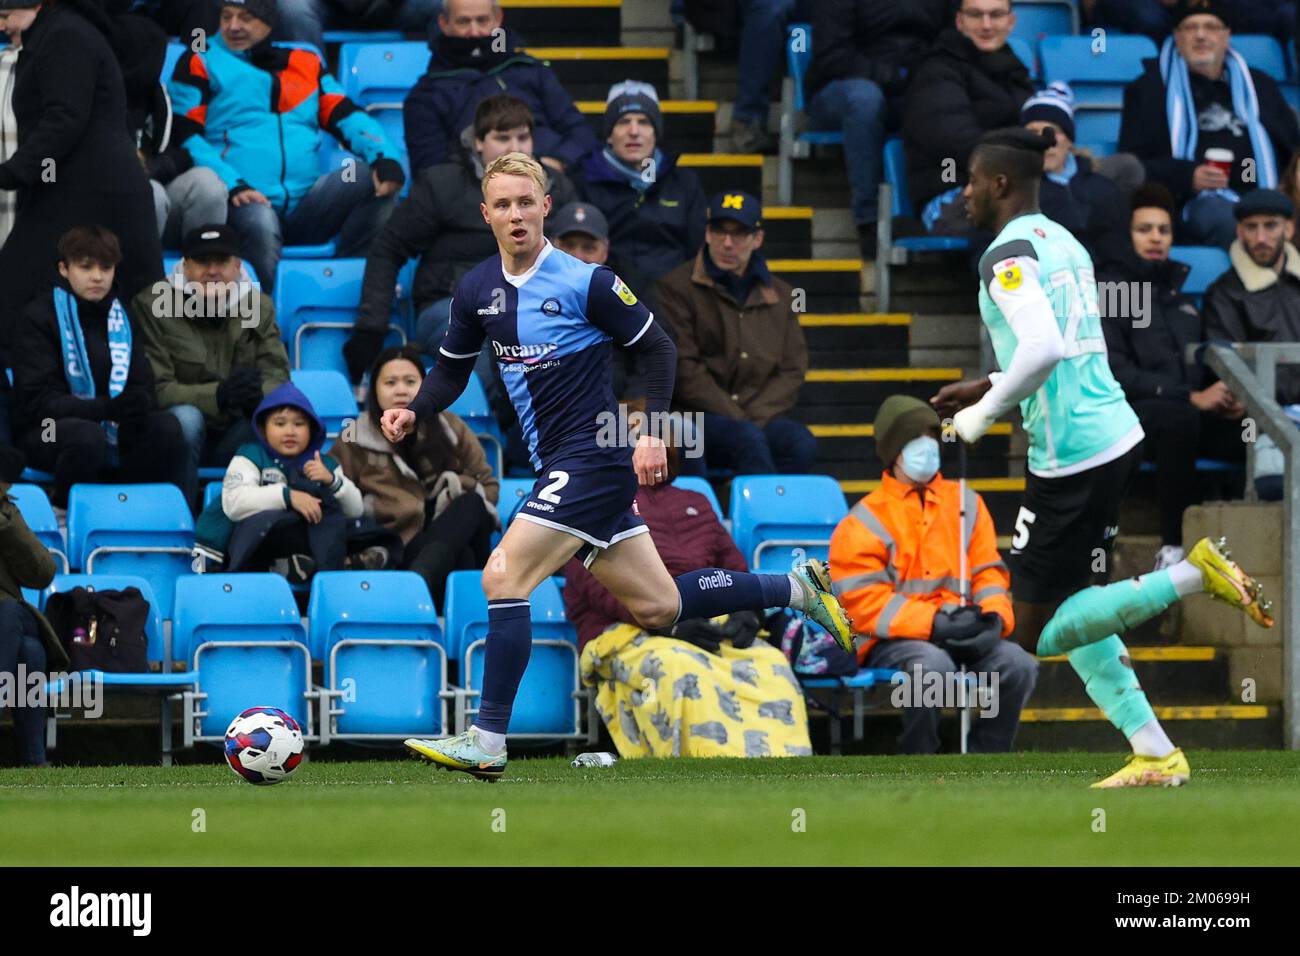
{"points": [[252, 111]]}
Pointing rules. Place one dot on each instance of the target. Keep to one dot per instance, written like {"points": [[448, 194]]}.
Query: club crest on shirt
{"points": [[620, 288], [551, 306], [1009, 275]]}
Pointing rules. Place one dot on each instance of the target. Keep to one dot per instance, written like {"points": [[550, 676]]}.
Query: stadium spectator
{"points": [[760, 58], [1154, 17], [741, 355], [1148, 324], [740, 699], [862, 52], [305, 21], [475, 57], [284, 506], [252, 111], [1201, 96], [74, 162], [896, 562], [215, 347], [83, 388], [13, 27], [969, 83], [655, 208], [1290, 184], [442, 223], [435, 489], [26, 638], [1073, 192]]}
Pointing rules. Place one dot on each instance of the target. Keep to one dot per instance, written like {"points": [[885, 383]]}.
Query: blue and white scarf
{"points": [[1180, 108], [76, 364], [636, 177]]}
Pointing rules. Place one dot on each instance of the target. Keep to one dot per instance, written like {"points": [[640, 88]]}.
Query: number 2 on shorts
{"points": [[1023, 521], [548, 494]]}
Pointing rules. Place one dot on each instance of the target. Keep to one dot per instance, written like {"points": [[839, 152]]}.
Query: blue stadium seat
{"points": [[472, 406], [40, 517], [141, 530], [1263, 53], [1207, 263], [701, 485], [387, 669], [1098, 129], [242, 634], [513, 493], [466, 613], [330, 395], [211, 492], [548, 703], [316, 305], [170, 59], [1036, 19], [794, 144], [777, 518], [1096, 78], [362, 36], [381, 72], [1024, 51]]}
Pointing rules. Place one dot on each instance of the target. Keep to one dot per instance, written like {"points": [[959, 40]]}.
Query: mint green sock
{"points": [[1108, 676], [1095, 613]]}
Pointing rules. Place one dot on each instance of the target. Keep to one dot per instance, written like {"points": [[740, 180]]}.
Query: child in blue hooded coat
{"points": [[281, 499]]}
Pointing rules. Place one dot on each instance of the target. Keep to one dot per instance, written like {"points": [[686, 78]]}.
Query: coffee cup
{"points": [[1220, 159]]}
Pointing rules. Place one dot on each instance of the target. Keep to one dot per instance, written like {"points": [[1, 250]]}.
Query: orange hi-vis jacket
{"points": [[896, 560]]}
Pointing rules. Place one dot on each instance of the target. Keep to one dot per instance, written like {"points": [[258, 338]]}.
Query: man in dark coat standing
{"points": [[75, 163]]}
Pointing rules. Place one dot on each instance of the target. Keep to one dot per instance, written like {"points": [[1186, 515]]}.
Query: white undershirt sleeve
{"points": [[1018, 293]]}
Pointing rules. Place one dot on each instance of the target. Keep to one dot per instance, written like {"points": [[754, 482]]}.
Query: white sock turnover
{"points": [[1186, 578], [492, 743], [1150, 740]]}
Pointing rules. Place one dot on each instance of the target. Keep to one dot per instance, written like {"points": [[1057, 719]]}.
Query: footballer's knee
{"points": [[656, 612], [499, 583]]}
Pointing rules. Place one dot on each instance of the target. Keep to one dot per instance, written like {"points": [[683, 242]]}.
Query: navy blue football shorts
{"points": [[593, 502]]}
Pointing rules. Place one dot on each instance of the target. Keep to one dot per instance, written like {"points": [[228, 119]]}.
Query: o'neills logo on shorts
{"points": [[718, 579], [524, 353]]}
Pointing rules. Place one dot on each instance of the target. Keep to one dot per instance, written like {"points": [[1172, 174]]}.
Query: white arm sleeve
{"points": [[1017, 291]]}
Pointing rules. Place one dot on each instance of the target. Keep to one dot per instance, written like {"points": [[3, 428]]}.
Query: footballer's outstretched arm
{"points": [[614, 309], [1012, 279], [456, 357]]}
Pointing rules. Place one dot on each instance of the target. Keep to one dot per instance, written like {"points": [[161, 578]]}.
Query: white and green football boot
{"points": [[821, 605], [462, 752]]}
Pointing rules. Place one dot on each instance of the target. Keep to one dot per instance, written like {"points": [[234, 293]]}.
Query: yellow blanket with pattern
{"points": [[664, 697]]}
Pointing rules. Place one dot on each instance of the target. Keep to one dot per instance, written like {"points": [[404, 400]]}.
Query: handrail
{"points": [[1256, 389]]}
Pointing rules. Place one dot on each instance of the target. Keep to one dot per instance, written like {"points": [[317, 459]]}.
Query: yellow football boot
{"points": [[1226, 581], [1171, 770]]}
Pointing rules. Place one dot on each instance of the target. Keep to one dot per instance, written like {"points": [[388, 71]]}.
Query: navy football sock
{"points": [[509, 645], [713, 591]]}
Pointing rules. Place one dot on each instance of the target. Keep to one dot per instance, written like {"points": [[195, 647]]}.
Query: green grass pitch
{"points": [[1242, 808]]}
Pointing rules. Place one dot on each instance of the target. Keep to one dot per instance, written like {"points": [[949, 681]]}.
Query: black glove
{"points": [[360, 351], [976, 647], [130, 405], [388, 171], [241, 391], [698, 631], [957, 624]]}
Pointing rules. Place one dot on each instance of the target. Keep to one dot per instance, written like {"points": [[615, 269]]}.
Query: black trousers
{"points": [[153, 449], [457, 540], [1177, 434], [20, 643]]}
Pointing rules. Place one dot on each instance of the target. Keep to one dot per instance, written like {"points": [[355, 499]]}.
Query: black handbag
{"points": [[102, 630]]}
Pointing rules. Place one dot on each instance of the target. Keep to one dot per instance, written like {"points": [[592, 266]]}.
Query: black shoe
{"points": [[750, 138], [867, 242], [296, 569]]}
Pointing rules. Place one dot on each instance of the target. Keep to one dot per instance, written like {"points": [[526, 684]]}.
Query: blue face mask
{"points": [[921, 459]]}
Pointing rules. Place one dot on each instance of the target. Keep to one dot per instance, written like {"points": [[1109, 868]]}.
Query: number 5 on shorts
{"points": [[1023, 521]]}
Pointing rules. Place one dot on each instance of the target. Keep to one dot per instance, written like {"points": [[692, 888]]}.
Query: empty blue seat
{"points": [[472, 406], [547, 704], [794, 144], [211, 492], [778, 520], [330, 395], [316, 304], [1263, 53], [233, 607], [1095, 77], [362, 36], [466, 613], [1097, 128], [1036, 19], [39, 515], [141, 530], [386, 666], [702, 486], [381, 72], [1207, 264]]}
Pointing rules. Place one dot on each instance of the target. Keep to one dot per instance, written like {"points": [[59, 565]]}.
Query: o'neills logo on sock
{"points": [[718, 579]]}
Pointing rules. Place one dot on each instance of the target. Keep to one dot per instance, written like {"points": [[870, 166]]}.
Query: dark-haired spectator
{"points": [[434, 488], [305, 21], [83, 387], [1154, 18], [215, 347], [969, 83], [655, 208], [741, 355], [1073, 193], [474, 56], [1148, 328], [74, 162], [1200, 96], [252, 111], [442, 223], [862, 54]]}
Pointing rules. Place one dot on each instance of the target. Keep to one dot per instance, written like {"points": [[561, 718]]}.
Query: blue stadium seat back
{"points": [[39, 514], [233, 607], [798, 56], [466, 613], [1096, 77], [545, 703], [896, 176], [160, 570], [237, 678], [381, 72], [548, 613], [1098, 130], [369, 605], [362, 36], [316, 304], [174, 52], [802, 509], [146, 515], [319, 250], [702, 486], [1263, 53], [474, 409], [1043, 18], [211, 492], [1207, 263], [513, 493], [394, 689], [153, 625], [330, 395], [1024, 51]]}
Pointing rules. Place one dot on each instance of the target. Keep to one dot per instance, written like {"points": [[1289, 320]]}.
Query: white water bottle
{"points": [[602, 759]]}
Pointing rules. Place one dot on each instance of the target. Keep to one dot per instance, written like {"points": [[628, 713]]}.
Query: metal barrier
{"points": [[1256, 388]]}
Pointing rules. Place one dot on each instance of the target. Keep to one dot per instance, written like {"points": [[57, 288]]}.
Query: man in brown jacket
{"points": [[741, 355]]}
